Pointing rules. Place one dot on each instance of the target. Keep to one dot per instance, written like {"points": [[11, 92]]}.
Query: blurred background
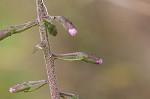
{"points": [[116, 30]]}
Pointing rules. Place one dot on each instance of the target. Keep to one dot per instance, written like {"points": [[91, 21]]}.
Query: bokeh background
{"points": [[116, 30]]}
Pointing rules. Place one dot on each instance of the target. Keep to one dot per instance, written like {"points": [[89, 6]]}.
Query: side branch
{"points": [[29, 86], [16, 29], [79, 56]]}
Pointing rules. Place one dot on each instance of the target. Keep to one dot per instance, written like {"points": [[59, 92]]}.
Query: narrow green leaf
{"points": [[50, 28]]}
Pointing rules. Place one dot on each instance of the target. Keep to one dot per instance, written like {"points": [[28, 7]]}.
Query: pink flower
{"points": [[100, 61], [73, 32], [12, 90]]}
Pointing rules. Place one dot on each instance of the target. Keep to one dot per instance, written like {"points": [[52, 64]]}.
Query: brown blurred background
{"points": [[116, 30]]}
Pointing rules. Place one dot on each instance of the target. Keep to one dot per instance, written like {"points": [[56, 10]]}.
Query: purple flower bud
{"points": [[100, 61], [73, 32], [12, 90], [67, 24], [19, 88]]}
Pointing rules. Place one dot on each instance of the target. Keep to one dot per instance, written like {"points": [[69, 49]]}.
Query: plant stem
{"points": [[48, 56], [16, 29]]}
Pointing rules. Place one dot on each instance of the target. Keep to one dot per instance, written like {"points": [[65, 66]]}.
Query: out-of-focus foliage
{"points": [[119, 34]]}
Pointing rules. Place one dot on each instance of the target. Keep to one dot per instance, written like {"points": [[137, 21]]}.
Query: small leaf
{"points": [[52, 29]]}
